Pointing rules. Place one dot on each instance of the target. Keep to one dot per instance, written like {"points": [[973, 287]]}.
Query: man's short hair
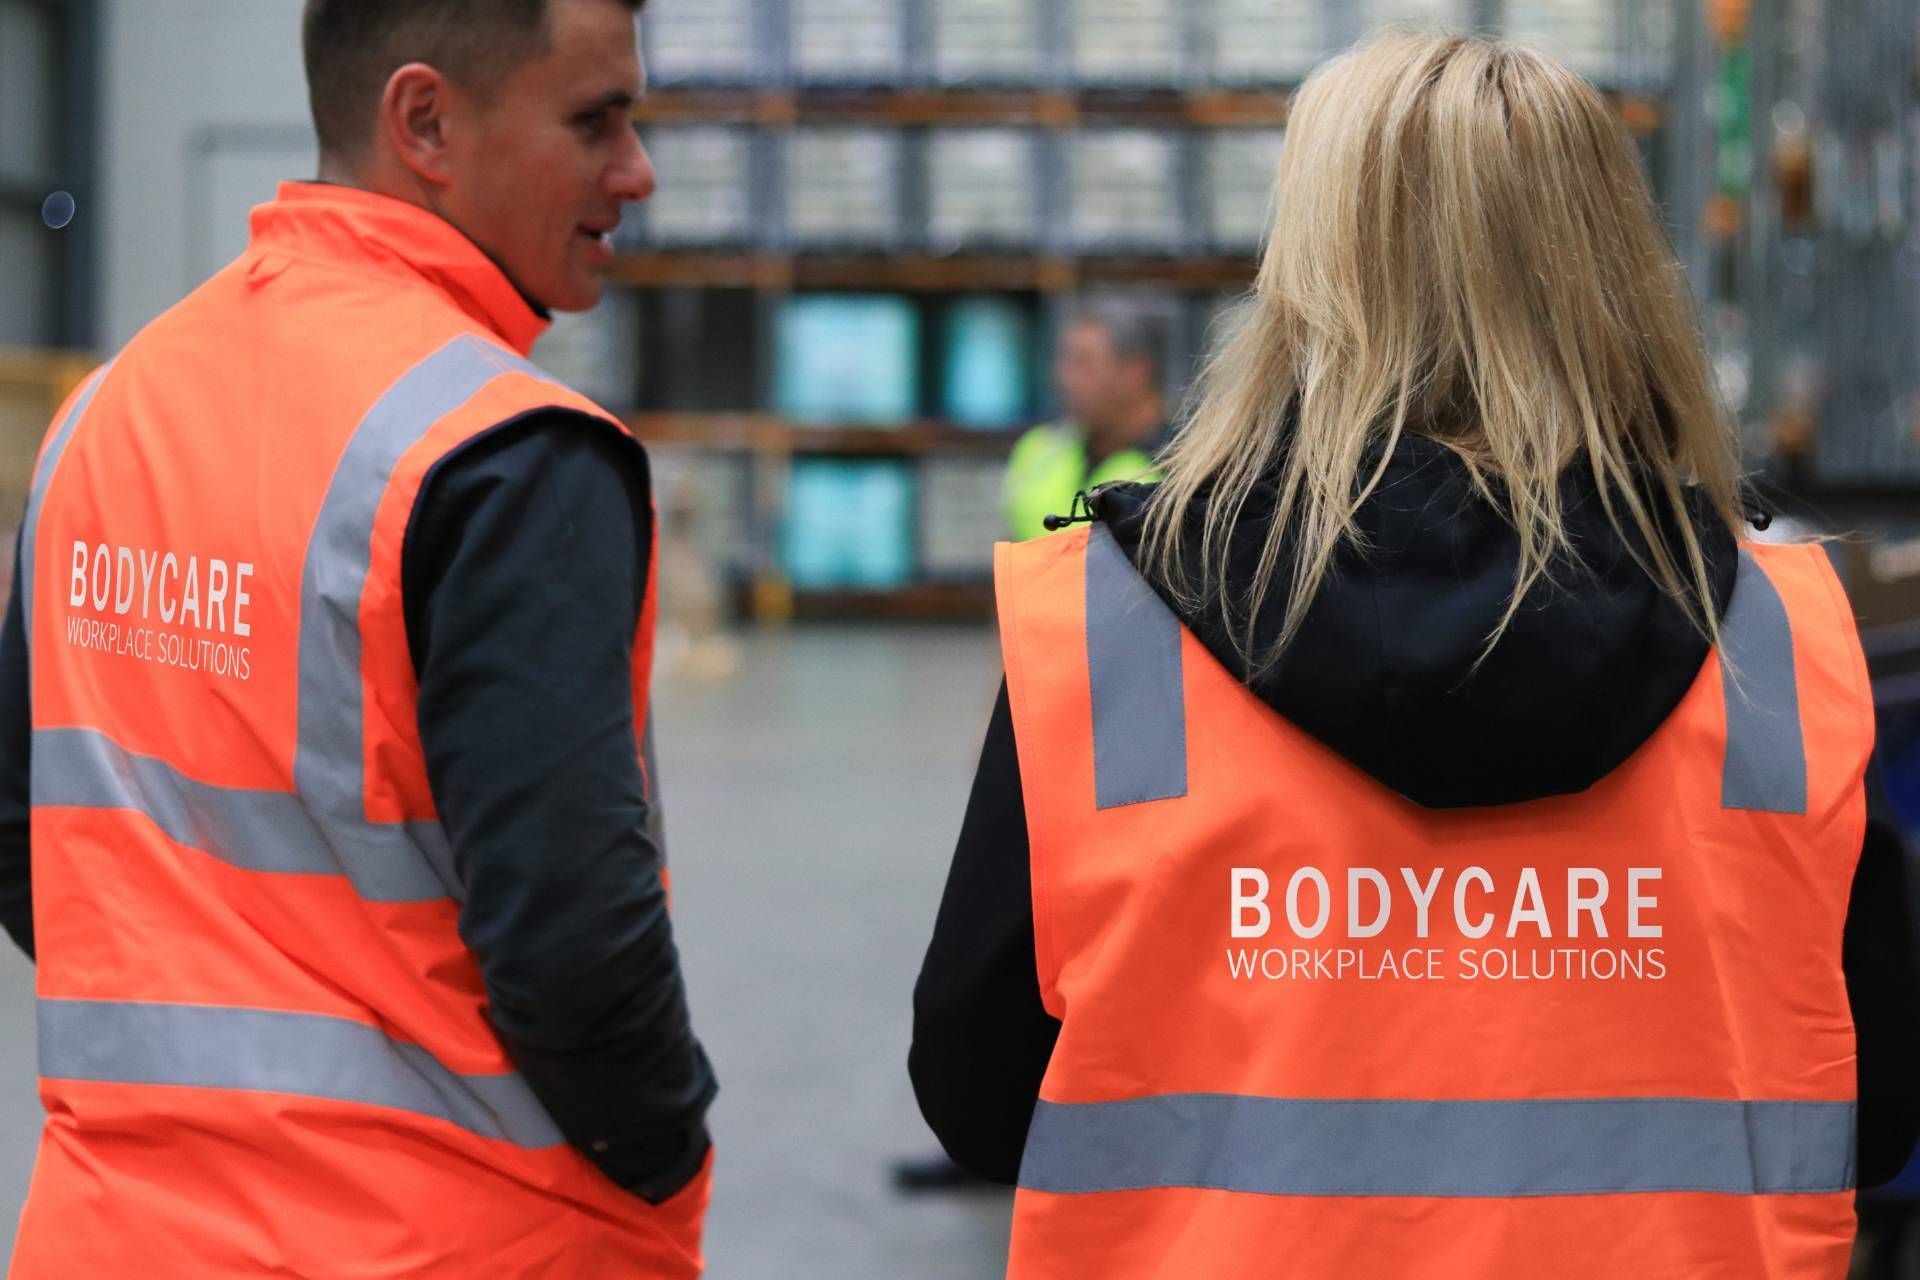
{"points": [[1136, 330], [353, 47]]}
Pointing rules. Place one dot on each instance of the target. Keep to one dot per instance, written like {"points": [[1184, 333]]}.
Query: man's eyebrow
{"points": [[612, 99]]}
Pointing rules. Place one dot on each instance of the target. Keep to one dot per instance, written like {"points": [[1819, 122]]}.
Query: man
{"points": [[1108, 373], [328, 659]]}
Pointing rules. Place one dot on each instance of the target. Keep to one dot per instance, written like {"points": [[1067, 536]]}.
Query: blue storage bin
{"points": [[847, 359], [849, 525], [987, 363]]}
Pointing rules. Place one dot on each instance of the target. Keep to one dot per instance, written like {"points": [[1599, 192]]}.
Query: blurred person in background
{"points": [[1109, 373], [325, 685], [1423, 836]]}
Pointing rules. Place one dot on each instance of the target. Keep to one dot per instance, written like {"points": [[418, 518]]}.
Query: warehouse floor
{"points": [[812, 802]]}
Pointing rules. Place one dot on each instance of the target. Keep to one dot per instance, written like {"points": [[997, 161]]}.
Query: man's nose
{"points": [[632, 176]]}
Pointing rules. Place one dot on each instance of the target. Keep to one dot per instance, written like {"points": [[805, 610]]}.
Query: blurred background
{"points": [[876, 222]]}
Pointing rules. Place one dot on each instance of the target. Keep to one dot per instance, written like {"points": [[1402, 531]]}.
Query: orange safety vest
{"points": [[1312, 1030], [264, 1049]]}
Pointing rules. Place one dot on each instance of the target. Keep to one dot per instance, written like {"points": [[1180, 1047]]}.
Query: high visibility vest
{"points": [[1048, 466], [1312, 1030], [264, 1049]]}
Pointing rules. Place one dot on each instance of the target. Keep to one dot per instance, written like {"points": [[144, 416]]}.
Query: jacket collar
{"points": [[347, 225]]}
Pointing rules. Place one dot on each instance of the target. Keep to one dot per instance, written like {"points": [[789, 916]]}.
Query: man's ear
{"points": [[412, 121]]}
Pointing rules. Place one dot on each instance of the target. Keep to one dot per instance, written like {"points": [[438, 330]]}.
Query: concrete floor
{"points": [[812, 802]]}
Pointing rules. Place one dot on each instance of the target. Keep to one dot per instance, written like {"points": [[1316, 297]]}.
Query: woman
{"points": [[1418, 837]]}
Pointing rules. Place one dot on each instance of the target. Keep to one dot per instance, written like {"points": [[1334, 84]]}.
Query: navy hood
{"points": [[1383, 668]]}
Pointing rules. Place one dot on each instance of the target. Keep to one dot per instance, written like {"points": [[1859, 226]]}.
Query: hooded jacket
{"points": [[1390, 669]]}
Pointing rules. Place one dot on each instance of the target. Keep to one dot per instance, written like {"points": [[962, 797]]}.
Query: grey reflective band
{"points": [[265, 1051], [656, 811], [1553, 1147], [1133, 666], [50, 457], [329, 764], [1766, 760], [270, 831]]}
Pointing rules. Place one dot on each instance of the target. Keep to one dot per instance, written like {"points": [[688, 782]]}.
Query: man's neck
{"points": [[373, 178], [1131, 431], [410, 190]]}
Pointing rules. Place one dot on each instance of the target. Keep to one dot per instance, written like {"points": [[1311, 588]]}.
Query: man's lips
{"points": [[601, 238]]}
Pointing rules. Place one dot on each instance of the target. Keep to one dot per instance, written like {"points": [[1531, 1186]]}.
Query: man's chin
{"points": [[584, 292], [579, 295]]}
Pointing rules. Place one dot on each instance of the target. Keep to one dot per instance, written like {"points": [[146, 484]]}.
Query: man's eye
{"points": [[593, 126]]}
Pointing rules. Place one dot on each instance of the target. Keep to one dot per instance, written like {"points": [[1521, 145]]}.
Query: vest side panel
{"points": [[393, 763], [395, 784], [1042, 611], [1830, 678]]}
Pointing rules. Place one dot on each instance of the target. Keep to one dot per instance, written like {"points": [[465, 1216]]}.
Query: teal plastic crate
{"points": [[849, 525], [987, 362], [847, 358]]}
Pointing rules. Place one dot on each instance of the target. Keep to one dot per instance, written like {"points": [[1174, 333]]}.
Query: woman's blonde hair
{"points": [[1463, 247]]}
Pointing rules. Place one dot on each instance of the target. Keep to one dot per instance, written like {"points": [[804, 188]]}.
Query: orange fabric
{"points": [[358, 1196], [234, 937], [1132, 929], [216, 434], [396, 779]]}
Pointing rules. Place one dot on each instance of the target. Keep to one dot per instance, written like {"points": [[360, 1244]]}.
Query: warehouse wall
{"points": [[204, 110]]}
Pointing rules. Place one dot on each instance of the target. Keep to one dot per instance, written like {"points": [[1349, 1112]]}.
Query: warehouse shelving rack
{"points": [[774, 102], [1058, 109]]}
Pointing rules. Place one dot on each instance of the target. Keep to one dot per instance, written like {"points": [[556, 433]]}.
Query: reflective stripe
{"points": [[37, 496], [656, 810], [1133, 665], [1321, 1147], [329, 766], [253, 830], [308, 1055], [1766, 761]]}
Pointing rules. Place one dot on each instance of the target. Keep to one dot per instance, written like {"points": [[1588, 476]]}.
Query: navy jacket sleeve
{"points": [[1881, 958], [524, 570], [981, 1037], [16, 734], [982, 1040]]}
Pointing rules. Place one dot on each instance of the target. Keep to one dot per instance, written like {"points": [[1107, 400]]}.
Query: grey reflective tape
{"points": [[50, 457], [656, 810], [1552, 1147], [254, 830], [266, 1051], [1766, 760], [1133, 665], [329, 764]]}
